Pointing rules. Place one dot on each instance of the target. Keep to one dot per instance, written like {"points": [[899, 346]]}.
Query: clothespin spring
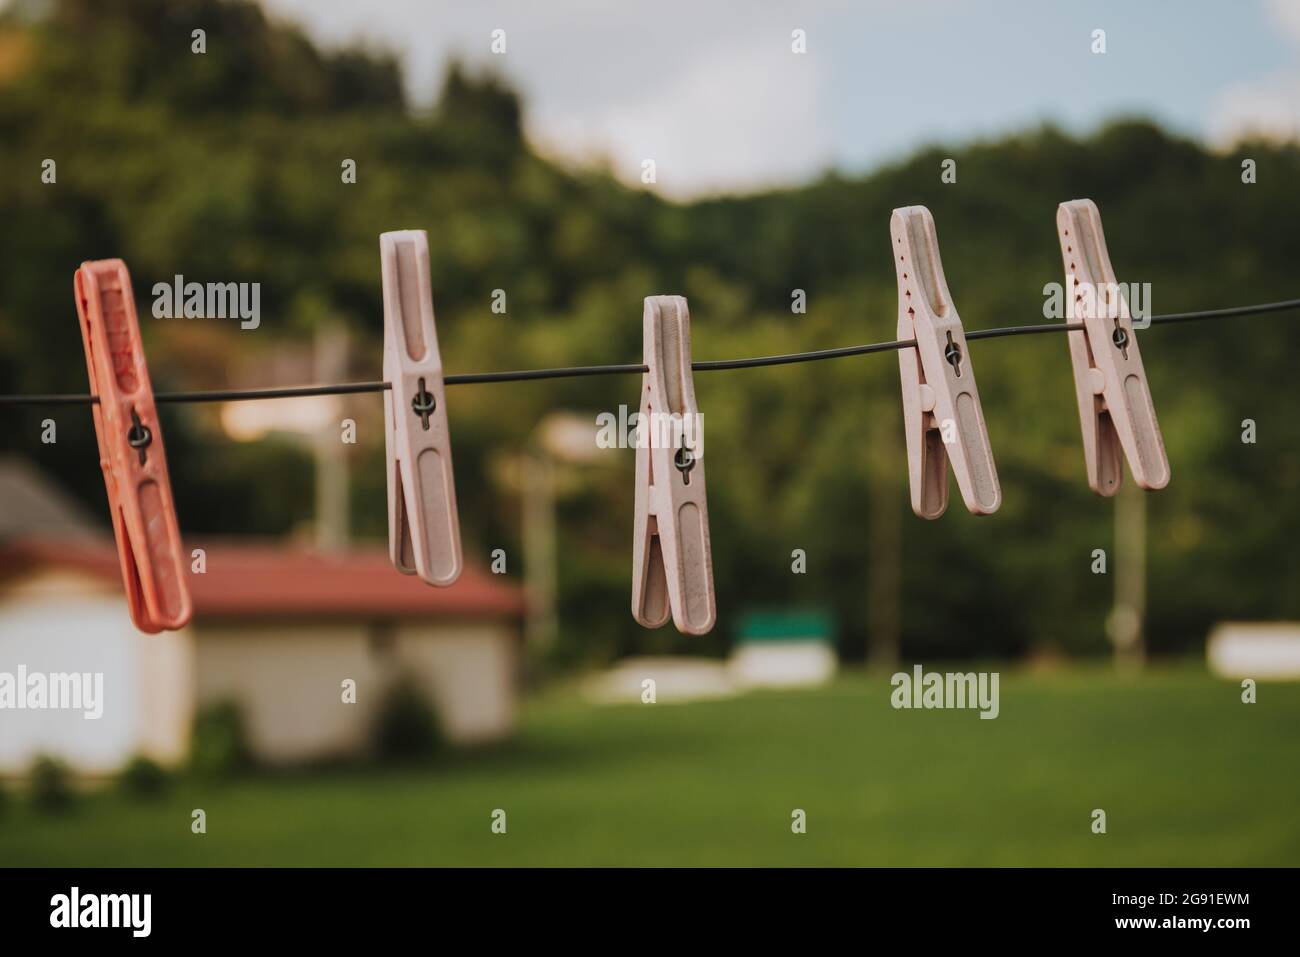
{"points": [[423, 404], [139, 436]]}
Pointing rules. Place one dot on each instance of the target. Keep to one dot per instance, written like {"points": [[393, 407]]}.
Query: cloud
{"points": [[1268, 107], [1286, 14], [710, 91], [731, 117]]}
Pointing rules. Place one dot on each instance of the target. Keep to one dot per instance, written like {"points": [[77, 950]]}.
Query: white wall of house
{"points": [[468, 672], [59, 622], [286, 676], [288, 679]]}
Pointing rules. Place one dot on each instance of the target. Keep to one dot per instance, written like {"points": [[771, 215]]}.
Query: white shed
{"points": [[276, 630]]}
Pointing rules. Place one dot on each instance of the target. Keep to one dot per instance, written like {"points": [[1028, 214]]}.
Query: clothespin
{"points": [[423, 527], [131, 449], [672, 566], [1115, 407], [942, 416]]}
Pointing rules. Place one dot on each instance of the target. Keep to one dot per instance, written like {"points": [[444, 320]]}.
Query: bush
{"points": [[51, 784], [144, 777], [219, 744], [406, 727]]}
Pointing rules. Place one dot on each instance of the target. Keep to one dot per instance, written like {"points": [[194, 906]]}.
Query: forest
{"points": [[228, 166]]}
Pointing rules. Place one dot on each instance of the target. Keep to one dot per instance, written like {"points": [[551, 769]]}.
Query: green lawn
{"points": [[1187, 774]]}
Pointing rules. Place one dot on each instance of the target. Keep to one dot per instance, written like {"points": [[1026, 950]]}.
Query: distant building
{"points": [[788, 649], [276, 630], [31, 506], [1263, 650]]}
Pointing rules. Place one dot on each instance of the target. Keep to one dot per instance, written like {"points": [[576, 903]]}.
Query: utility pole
{"points": [[1125, 626], [884, 543], [542, 622], [332, 486]]}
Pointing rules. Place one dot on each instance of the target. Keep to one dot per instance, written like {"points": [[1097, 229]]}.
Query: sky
{"points": [[713, 93]]}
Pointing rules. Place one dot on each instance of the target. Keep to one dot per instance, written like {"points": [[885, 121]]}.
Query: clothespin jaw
{"points": [[672, 565], [942, 416], [1115, 408], [131, 449], [423, 526]]}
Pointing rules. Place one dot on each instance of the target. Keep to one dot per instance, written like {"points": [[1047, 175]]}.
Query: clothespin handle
{"points": [[1117, 416], [942, 416], [423, 524], [672, 562], [131, 449]]}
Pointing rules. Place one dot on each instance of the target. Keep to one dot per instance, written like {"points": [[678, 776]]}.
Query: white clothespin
{"points": [[672, 568], [1115, 408], [942, 416], [423, 527]]}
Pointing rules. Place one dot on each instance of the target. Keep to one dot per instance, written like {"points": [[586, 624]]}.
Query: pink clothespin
{"points": [[423, 527], [131, 449], [1115, 406], [672, 567], [942, 416]]}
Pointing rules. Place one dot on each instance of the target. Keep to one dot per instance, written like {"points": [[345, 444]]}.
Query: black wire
{"points": [[524, 375], [1282, 306], [220, 395], [716, 364], [1026, 330], [710, 365]]}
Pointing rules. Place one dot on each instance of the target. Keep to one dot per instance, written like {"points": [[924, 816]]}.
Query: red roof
{"points": [[270, 580]]}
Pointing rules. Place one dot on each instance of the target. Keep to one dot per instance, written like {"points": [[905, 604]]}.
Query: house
{"points": [[790, 649], [280, 631], [1263, 650]]}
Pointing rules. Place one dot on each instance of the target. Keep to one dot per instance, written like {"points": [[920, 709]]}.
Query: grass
{"points": [[1186, 773]]}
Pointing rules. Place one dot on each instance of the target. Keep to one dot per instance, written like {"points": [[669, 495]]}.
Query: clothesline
{"points": [[570, 372]]}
